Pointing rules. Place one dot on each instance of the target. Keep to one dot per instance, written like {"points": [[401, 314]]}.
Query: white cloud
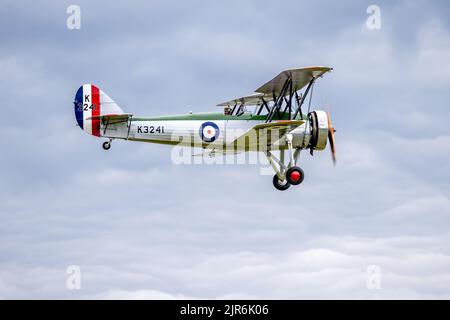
{"points": [[142, 228], [433, 51], [139, 295]]}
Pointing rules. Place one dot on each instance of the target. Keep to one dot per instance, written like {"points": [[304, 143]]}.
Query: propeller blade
{"points": [[331, 131]]}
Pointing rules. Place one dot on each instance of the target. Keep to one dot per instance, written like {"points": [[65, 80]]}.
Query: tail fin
{"points": [[90, 101]]}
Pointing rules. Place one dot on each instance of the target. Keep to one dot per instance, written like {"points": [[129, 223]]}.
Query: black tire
{"points": [[295, 175], [279, 184], [106, 145]]}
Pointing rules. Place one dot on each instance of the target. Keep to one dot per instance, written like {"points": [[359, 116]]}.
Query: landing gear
{"points": [[107, 145], [286, 174], [295, 175], [280, 185]]}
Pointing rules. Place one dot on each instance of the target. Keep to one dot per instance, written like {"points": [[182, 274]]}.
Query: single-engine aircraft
{"points": [[271, 119]]}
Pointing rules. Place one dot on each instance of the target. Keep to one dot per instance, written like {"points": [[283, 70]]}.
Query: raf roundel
{"points": [[209, 131]]}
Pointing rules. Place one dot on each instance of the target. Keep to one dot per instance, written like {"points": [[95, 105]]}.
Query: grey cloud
{"points": [[142, 227]]}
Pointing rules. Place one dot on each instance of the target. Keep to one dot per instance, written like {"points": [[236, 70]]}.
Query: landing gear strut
{"points": [[107, 145]]}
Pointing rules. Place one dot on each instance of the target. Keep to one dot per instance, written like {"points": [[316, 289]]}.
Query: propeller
{"points": [[331, 132]]}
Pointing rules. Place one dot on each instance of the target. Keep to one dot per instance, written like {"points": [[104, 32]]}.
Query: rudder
{"points": [[90, 103]]}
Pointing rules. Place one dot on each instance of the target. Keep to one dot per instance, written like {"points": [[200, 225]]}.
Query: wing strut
{"points": [[300, 103], [276, 92], [281, 99], [297, 100], [278, 101], [264, 104]]}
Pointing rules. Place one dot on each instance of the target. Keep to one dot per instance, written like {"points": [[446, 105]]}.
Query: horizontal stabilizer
{"points": [[112, 118]]}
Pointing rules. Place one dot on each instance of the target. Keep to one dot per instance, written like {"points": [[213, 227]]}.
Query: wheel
{"points": [[295, 175], [106, 145], [279, 184]]}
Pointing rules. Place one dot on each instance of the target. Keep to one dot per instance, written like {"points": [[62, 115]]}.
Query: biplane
{"points": [[272, 120]]}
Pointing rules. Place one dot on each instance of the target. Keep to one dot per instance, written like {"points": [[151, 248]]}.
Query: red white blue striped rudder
{"points": [[90, 103]]}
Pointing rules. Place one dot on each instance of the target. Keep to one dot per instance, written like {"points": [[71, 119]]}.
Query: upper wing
{"points": [[253, 99], [265, 134], [112, 118], [300, 78]]}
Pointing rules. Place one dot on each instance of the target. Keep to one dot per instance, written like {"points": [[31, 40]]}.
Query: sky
{"points": [[138, 226]]}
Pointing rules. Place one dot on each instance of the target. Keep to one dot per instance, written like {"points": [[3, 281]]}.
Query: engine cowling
{"points": [[313, 134]]}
